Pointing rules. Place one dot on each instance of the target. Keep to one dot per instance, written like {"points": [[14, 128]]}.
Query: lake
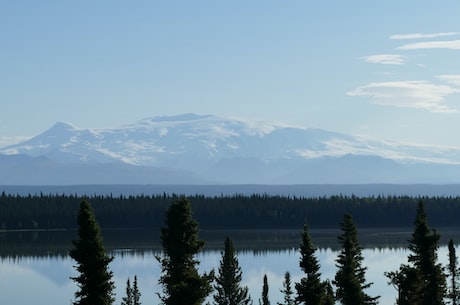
{"points": [[33, 274]]}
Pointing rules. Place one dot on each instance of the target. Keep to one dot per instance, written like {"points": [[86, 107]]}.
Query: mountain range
{"points": [[207, 149]]}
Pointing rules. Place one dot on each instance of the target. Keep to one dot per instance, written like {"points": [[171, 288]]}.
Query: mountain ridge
{"points": [[212, 149]]}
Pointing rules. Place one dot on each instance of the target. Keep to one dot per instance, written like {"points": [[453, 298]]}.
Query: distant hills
{"points": [[206, 149]]}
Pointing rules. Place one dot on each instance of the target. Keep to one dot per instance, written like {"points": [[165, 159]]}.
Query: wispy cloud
{"points": [[421, 36], [408, 94], [453, 79], [387, 59], [10, 140], [444, 44]]}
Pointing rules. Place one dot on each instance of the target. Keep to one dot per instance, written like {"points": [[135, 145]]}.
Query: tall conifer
{"points": [[350, 278], [265, 300], [95, 279], [182, 284], [229, 290], [422, 281], [132, 293], [287, 291], [423, 246], [136, 293], [310, 290], [453, 274], [128, 299]]}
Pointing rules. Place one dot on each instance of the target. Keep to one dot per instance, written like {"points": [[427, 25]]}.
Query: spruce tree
{"points": [[406, 281], [132, 293], [95, 279], [453, 274], [422, 281], [182, 284], [287, 291], [310, 290], [265, 299], [128, 299], [229, 291], [350, 279], [424, 246], [136, 293], [329, 298]]}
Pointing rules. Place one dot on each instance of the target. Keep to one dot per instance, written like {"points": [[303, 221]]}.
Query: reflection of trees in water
{"points": [[145, 242]]}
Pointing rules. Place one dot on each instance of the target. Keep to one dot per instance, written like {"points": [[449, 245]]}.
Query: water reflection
{"points": [[38, 273], [45, 280], [44, 243]]}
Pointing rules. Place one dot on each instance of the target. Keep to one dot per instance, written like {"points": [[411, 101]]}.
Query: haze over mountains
{"points": [[205, 149]]}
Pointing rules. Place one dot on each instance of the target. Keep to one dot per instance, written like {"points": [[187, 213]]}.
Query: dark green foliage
{"points": [[236, 211], [423, 246], [94, 279], [229, 291], [422, 281], [287, 291], [329, 298], [136, 293], [405, 280], [128, 299], [350, 279], [310, 290], [265, 300], [182, 285], [132, 294], [453, 274]]}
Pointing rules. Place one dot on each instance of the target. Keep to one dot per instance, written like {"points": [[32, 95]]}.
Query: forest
{"points": [[421, 281], [179, 219], [53, 211]]}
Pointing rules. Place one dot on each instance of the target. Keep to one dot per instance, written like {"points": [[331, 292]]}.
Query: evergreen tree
{"points": [[422, 281], [128, 299], [329, 298], [453, 274], [182, 285], [229, 291], [136, 293], [350, 277], [265, 299], [406, 282], [311, 290], [94, 279], [424, 246], [287, 291], [132, 294]]}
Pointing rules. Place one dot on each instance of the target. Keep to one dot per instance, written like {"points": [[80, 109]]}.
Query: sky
{"points": [[388, 70]]}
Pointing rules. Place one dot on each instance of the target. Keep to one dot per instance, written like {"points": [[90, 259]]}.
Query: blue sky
{"points": [[383, 69]]}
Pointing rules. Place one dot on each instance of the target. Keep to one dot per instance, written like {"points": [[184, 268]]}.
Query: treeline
{"points": [[224, 212], [420, 281]]}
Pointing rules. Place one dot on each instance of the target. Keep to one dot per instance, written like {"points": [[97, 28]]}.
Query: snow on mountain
{"points": [[167, 140], [234, 150]]}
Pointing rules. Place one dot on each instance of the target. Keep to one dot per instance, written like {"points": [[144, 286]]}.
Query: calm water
{"points": [[44, 279]]}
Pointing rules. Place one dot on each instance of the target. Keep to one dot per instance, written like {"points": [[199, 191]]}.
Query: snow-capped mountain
{"points": [[209, 149]]}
